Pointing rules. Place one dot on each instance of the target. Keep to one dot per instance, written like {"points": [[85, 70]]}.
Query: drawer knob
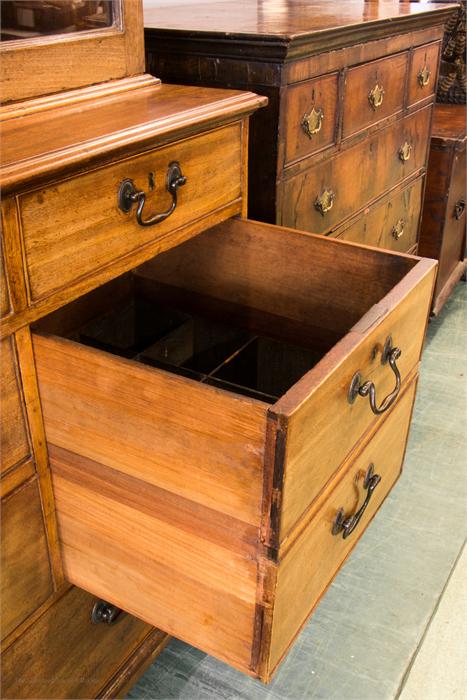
{"points": [[129, 195], [312, 122], [105, 612], [424, 76], [389, 355], [459, 209], [347, 523], [375, 97], [397, 230], [405, 151], [324, 201]]}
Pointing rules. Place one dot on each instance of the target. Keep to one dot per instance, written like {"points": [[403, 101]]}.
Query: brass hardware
{"points": [[459, 208], [397, 230], [376, 96], [423, 76], [325, 201], [105, 612], [347, 524], [389, 355], [405, 151], [312, 122], [129, 195]]}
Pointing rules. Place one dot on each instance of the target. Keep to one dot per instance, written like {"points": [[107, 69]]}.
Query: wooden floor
{"points": [[368, 637]]}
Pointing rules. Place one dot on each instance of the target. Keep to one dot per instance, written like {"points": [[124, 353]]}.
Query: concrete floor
{"points": [[391, 625]]}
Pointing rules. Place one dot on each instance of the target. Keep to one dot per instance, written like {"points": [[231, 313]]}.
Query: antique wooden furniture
{"points": [[201, 413], [443, 228], [342, 147]]}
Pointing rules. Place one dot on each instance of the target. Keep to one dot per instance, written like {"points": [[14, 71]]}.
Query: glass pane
{"points": [[27, 19]]}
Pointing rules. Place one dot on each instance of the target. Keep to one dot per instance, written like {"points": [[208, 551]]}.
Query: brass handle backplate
{"points": [[405, 151], [312, 122], [129, 195], [423, 76], [324, 202], [397, 230], [357, 387], [347, 523], [376, 96]]}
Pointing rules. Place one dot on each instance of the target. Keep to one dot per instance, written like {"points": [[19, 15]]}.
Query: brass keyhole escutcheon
{"points": [[424, 76], [376, 96], [324, 202], [405, 151], [312, 122], [397, 230]]}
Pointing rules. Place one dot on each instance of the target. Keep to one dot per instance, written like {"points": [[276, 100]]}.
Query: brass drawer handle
{"points": [[312, 122], [405, 151], [128, 195], [375, 97], [358, 388], [347, 523], [324, 202], [397, 230], [459, 209], [105, 612], [423, 76]]}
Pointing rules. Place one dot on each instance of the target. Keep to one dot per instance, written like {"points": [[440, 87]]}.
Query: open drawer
{"points": [[197, 409]]}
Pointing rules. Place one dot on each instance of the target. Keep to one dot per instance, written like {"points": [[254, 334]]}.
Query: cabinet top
{"points": [[449, 123], [288, 28]]}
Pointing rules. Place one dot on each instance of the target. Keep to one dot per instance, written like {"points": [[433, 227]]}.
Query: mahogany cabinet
{"points": [[342, 147], [443, 224]]}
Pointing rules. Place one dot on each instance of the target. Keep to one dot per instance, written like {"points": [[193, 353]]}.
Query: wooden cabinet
{"points": [[350, 91], [244, 371], [443, 224]]}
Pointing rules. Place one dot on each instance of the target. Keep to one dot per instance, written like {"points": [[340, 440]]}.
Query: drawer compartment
{"points": [[26, 577], [325, 195], [75, 228], [14, 444], [373, 92], [64, 655], [309, 564], [211, 412], [423, 72], [392, 225], [310, 116]]}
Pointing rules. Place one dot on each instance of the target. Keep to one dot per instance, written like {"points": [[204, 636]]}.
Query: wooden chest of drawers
{"points": [[350, 90], [442, 233]]}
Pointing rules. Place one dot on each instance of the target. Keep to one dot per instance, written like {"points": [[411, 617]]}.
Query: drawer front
{"points": [[308, 567], [65, 655], [76, 227], [322, 197], [453, 244], [373, 92], [392, 225], [310, 116], [325, 426], [423, 73], [26, 580], [14, 439]]}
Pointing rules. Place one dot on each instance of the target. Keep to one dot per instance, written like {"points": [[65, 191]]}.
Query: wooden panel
{"points": [[64, 655], [357, 175], [423, 72], [309, 566], [76, 227], [26, 580], [360, 82], [14, 439], [317, 407], [159, 556], [5, 304], [392, 224], [319, 94], [154, 426]]}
